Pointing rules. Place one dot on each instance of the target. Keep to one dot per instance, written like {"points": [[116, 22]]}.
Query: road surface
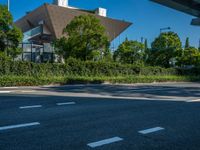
{"points": [[102, 117]]}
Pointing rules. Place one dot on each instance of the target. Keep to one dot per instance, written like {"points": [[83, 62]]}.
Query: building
{"points": [[191, 7], [46, 23]]}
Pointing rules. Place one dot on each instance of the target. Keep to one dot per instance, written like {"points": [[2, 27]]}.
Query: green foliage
{"points": [[20, 73], [10, 35], [74, 67], [190, 57], [35, 81], [165, 49], [167, 40], [86, 39], [147, 51], [145, 44], [130, 52]]}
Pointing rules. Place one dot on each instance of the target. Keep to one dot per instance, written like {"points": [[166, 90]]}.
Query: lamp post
{"points": [[163, 29], [8, 3]]}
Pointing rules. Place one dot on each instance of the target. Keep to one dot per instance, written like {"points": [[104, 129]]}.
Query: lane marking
{"points": [[67, 103], [104, 142], [5, 92], [28, 91], [190, 101], [28, 107], [14, 87], [151, 130], [19, 126]]}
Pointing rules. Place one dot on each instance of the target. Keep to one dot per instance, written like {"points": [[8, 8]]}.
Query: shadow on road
{"points": [[129, 91]]}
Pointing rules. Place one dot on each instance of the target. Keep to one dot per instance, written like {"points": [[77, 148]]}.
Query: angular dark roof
{"points": [[56, 18]]}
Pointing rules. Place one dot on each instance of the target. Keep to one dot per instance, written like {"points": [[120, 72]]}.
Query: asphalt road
{"points": [[102, 117]]}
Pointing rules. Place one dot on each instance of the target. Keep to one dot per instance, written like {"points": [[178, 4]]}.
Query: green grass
{"points": [[34, 81]]}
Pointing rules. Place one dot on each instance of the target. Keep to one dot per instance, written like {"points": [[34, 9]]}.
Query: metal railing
{"points": [[32, 33]]}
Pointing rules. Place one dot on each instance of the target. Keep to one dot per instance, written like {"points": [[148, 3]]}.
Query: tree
{"points": [[147, 52], [85, 39], [187, 43], [10, 35], [131, 52], [145, 44], [190, 57], [165, 49]]}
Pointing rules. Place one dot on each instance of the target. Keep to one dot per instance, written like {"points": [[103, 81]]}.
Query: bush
{"points": [[74, 67], [35, 81], [192, 71]]}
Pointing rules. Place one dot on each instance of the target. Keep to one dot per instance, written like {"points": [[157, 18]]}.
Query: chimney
{"points": [[101, 12], [62, 3]]}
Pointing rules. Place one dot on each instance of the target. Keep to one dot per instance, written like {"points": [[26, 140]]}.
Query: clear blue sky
{"points": [[147, 17]]}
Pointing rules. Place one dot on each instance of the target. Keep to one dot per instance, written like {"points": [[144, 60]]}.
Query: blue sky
{"points": [[147, 17]]}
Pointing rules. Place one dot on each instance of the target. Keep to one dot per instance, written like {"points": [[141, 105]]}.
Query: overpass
{"points": [[191, 7]]}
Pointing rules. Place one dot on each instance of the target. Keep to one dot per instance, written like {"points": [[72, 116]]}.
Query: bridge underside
{"points": [[191, 7]]}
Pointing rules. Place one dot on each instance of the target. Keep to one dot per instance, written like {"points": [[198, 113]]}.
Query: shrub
{"points": [[74, 67]]}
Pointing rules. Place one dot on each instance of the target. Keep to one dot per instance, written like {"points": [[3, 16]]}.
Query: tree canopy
{"points": [[187, 43], [131, 52], [166, 41], [165, 48], [10, 35], [85, 39], [190, 57]]}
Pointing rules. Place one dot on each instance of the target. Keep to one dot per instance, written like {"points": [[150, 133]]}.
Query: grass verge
{"points": [[35, 81]]}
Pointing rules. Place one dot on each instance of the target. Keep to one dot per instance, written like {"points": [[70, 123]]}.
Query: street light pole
{"points": [[162, 29], [8, 3]]}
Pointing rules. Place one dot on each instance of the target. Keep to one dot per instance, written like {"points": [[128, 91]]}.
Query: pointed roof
{"points": [[56, 18]]}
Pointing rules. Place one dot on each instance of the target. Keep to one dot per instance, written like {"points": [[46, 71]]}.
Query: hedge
{"points": [[36, 81], [74, 67]]}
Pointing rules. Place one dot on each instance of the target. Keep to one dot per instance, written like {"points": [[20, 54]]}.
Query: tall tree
{"points": [[187, 43], [86, 39], [131, 52], [165, 49], [145, 44], [10, 35], [191, 56], [146, 49]]}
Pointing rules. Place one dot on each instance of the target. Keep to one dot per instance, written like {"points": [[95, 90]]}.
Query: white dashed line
{"points": [[104, 142], [190, 101], [28, 107], [28, 91], [5, 92], [67, 103], [151, 130], [14, 87], [19, 126]]}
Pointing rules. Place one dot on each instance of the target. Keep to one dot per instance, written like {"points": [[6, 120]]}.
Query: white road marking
{"points": [[67, 103], [5, 92], [27, 107], [19, 126], [195, 100], [104, 142], [151, 130], [14, 87], [28, 91]]}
